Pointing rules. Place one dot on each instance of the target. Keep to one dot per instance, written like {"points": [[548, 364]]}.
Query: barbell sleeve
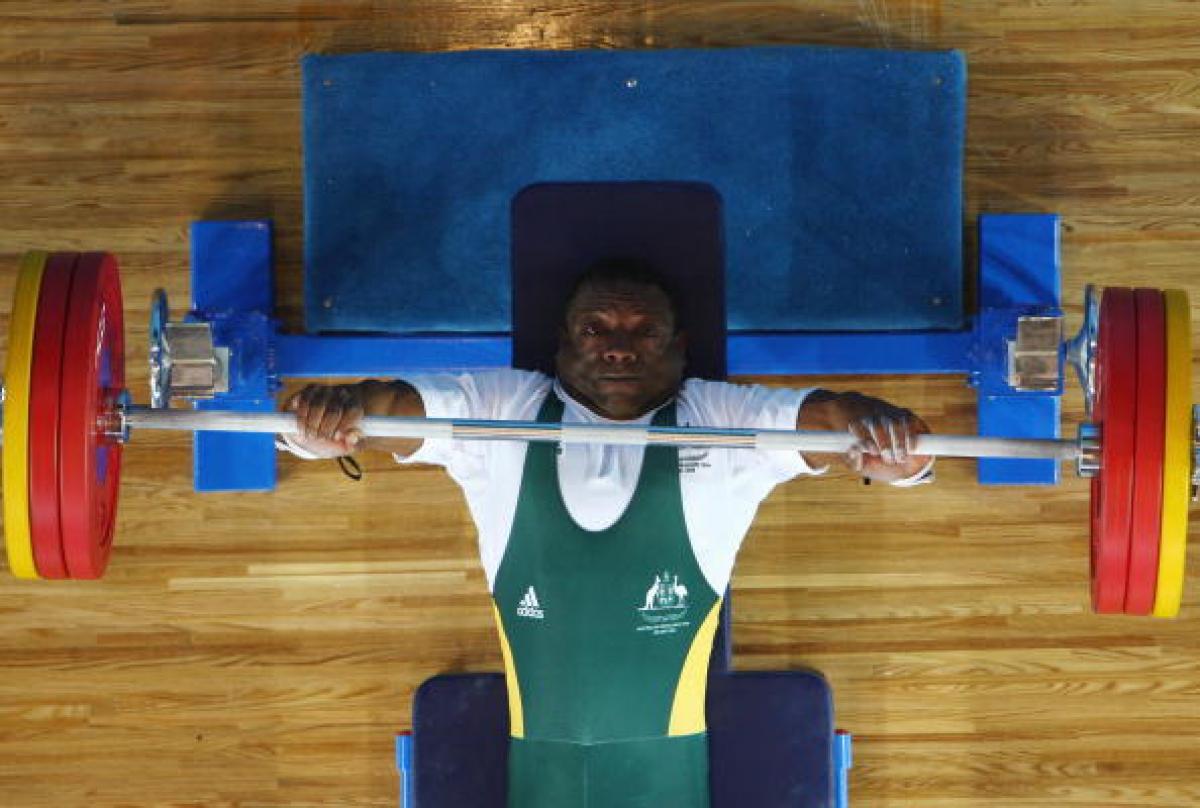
{"points": [[618, 434]]}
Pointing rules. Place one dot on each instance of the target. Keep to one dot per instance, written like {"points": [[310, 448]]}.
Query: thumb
{"points": [[854, 458]]}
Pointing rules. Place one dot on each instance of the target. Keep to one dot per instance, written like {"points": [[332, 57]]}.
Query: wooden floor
{"points": [[252, 650]]}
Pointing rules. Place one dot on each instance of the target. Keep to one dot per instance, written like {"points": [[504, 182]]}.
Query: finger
{"points": [[898, 436], [351, 416], [317, 402], [303, 398], [860, 430], [292, 402], [354, 436], [879, 434], [332, 417], [916, 428], [855, 459]]}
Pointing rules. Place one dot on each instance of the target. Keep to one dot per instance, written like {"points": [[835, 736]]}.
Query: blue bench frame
{"points": [[759, 722], [232, 282]]}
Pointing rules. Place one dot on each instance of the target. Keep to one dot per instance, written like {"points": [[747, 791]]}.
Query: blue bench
{"points": [[811, 197], [771, 740]]}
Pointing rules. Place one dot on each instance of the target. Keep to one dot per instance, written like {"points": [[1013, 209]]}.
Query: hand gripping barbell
{"points": [[67, 415]]}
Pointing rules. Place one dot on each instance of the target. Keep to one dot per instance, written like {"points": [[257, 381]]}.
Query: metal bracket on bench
{"points": [[188, 364], [1035, 356]]}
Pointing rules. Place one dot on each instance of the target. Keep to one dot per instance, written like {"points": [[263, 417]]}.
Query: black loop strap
{"points": [[350, 467]]}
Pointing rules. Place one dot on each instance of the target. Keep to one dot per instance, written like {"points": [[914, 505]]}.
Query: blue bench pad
{"points": [[770, 740], [839, 173]]}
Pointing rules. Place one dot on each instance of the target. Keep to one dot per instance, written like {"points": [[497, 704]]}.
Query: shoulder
{"points": [[510, 393], [715, 403], [483, 394], [507, 381]]}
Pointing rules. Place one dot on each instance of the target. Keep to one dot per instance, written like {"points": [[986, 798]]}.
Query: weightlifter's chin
{"points": [[621, 385], [618, 406]]}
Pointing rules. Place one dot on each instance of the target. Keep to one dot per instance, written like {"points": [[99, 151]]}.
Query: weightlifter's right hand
{"points": [[328, 417]]}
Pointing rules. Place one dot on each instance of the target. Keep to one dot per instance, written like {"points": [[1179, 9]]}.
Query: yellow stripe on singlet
{"points": [[687, 713], [516, 714]]}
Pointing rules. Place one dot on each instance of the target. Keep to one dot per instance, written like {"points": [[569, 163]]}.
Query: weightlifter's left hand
{"points": [[886, 433]]}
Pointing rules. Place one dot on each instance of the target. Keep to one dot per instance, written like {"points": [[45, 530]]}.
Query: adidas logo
{"points": [[529, 606]]}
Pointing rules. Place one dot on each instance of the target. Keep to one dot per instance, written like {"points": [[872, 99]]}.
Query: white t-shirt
{"points": [[721, 488]]}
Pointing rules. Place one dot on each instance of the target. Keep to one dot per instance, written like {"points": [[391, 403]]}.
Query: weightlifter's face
{"points": [[619, 352]]}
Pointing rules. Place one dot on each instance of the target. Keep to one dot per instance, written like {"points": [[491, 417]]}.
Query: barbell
{"points": [[67, 414]]}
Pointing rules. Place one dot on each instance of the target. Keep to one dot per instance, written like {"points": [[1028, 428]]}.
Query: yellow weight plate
{"points": [[1177, 456], [16, 416]]}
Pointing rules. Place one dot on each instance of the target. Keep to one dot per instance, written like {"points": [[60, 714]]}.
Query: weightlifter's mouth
{"points": [[620, 378]]}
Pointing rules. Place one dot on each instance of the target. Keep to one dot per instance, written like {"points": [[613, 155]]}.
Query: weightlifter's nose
{"points": [[618, 349]]}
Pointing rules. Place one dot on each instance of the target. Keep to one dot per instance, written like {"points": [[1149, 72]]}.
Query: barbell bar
{"points": [[131, 417], [1141, 477]]}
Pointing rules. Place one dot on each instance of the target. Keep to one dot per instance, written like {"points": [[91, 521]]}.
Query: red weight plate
{"points": [[1115, 412], [93, 376], [1149, 437], [44, 391]]}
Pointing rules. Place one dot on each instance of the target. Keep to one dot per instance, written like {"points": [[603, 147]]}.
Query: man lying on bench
{"points": [[606, 563]]}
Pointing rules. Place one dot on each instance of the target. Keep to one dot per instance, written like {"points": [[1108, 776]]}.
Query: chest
{"points": [[597, 483]]}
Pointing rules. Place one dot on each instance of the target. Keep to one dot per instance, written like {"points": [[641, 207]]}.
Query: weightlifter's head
{"points": [[621, 346]]}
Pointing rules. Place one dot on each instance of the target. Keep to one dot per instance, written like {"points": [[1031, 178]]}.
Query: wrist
{"points": [[817, 411], [815, 416]]}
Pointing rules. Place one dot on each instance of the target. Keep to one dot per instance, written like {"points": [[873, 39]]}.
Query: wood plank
{"points": [[261, 650]]}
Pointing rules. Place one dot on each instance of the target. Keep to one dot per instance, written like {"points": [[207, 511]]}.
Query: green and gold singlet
{"points": [[606, 638]]}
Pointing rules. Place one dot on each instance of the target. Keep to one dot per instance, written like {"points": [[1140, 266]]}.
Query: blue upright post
{"points": [[843, 761], [233, 289], [404, 755], [1018, 276]]}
